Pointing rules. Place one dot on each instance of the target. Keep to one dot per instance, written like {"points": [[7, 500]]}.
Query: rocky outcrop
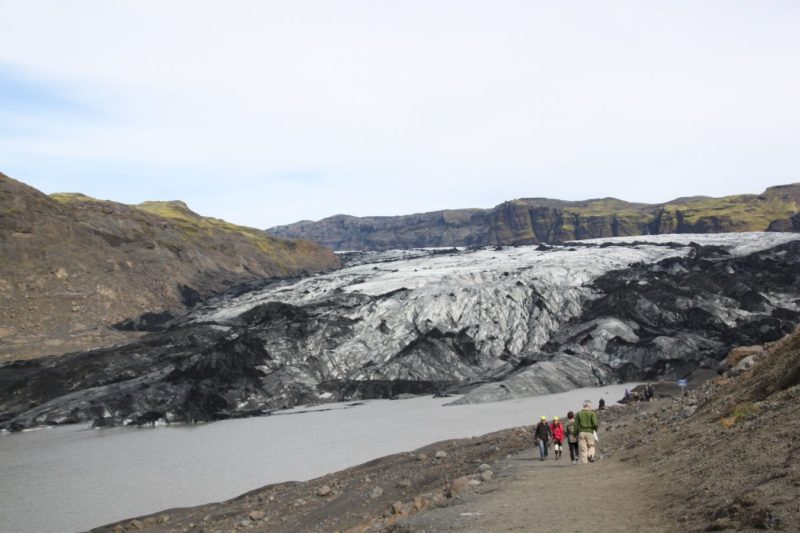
{"points": [[495, 324], [541, 220], [72, 266], [425, 230]]}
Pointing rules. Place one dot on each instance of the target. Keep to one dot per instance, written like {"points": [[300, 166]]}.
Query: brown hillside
{"points": [[727, 453], [70, 265]]}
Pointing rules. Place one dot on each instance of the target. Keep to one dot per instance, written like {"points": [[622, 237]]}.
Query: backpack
{"points": [[569, 430]]}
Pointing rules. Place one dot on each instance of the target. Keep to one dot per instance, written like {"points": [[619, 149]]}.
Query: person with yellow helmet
{"points": [[543, 436]]}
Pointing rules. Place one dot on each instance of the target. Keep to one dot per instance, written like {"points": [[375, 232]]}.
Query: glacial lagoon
{"points": [[73, 478]]}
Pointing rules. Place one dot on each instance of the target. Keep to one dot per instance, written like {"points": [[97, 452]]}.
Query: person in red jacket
{"points": [[557, 429]]}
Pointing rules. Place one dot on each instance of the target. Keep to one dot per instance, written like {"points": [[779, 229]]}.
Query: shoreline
{"points": [[385, 493]]}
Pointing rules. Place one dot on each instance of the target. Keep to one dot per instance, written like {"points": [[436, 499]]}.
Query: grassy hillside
{"points": [[74, 265], [745, 212]]}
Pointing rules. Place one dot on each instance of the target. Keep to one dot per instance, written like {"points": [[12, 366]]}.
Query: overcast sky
{"points": [[265, 113]]}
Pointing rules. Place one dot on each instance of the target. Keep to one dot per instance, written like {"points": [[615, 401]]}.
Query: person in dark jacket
{"points": [[649, 392], [572, 437], [543, 436]]}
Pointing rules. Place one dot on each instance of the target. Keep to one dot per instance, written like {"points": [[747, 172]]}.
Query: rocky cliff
{"points": [[71, 266], [536, 220], [492, 323]]}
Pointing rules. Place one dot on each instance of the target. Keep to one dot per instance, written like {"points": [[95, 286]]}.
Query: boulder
{"points": [[323, 491], [741, 352], [459, 485], [420, 503], [745, 364]]}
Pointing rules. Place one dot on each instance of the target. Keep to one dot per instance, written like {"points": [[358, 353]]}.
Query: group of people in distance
{"points": [[648, 393], [580, 432]]}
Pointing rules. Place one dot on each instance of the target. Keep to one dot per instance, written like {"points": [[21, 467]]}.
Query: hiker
{"points": [[572, 437], [601, 405], [557, 430], [586, 426], [543, 435], [627, 395], [651, 392]]}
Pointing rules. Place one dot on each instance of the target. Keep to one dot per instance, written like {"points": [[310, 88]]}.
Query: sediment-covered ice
{"points": [[492, 323]]}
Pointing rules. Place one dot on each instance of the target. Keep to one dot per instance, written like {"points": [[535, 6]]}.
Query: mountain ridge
{"points": [[545, 220]]}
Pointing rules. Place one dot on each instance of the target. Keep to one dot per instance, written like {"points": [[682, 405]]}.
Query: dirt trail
{"points": [[607, 496]]}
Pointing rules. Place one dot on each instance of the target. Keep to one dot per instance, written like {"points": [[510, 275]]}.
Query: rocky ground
{"points": [[719, 458]]}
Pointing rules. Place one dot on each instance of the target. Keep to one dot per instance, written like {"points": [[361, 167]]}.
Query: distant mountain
{"points": [[70, 265], [535, 220]]}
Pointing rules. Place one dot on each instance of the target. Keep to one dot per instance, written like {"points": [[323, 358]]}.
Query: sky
{"points": [[268, 112]]}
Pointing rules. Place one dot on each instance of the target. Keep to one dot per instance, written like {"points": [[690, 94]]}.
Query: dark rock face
{"points": [[146, 322], [708, 303], [541, 220], [786, 224], [494, 324]]}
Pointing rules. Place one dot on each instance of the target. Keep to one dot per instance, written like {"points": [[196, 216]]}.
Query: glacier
{"points": [[489, 324]]}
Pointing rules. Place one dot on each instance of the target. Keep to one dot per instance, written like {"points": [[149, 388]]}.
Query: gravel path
{"points": [[607, 496]]}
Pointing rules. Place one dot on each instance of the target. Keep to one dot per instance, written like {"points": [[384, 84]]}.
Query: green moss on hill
{"points": [[71, 197], [744, 212]]}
